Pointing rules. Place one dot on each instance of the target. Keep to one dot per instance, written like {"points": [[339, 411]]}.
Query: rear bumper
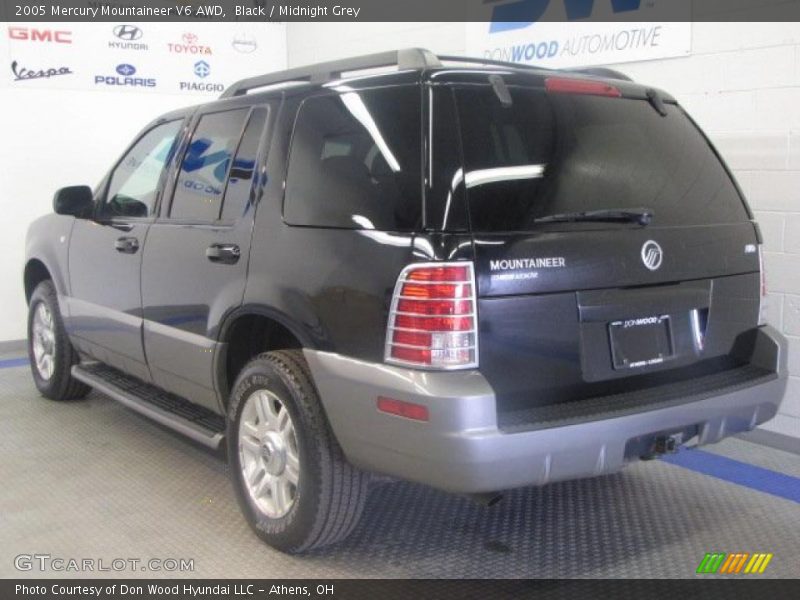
{"points": [[461, 448]]}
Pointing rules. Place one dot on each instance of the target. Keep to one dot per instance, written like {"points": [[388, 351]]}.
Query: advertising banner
{"points": [[528, 32], [169, 58]]}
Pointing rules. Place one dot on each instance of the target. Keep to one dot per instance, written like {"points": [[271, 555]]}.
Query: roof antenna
{"points": [[501, 90]]}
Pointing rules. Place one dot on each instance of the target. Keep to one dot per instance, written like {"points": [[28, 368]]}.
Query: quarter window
{"points": [[355, 161]]}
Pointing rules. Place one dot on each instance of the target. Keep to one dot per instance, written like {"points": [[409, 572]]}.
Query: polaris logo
{"points": [[126, 78], [527, 263], [652, 255]]}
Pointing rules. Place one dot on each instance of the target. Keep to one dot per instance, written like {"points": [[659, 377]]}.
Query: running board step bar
{"points": [[195, 422]]}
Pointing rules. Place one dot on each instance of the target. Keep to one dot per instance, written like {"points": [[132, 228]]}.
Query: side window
{"points": [[240, 181], [355, 161], [133, 187], [205, 166]]}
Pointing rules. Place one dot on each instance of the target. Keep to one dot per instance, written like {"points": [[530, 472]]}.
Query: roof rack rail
{"points": [[409, 58], [601, 72], [487, 61]]}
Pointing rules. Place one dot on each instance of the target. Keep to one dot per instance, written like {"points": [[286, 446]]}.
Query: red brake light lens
{"points": [[562, 85], [432, 323]]}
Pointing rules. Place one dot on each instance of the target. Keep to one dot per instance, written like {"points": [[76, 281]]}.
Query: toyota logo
{"points": [[127, 32], [652, 255], [190, 38]]}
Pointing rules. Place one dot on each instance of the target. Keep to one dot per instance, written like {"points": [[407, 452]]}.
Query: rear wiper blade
{"points": [[642, 216]]}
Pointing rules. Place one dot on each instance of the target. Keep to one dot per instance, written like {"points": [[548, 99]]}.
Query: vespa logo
{"points": [[523, 13], [652, 255], [128, 33]]}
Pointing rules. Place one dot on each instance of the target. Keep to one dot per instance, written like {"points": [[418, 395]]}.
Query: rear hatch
{"points": [[614, 252]]}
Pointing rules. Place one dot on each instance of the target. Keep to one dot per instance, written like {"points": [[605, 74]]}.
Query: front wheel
{"points": [[49, 350], [294, 485]]}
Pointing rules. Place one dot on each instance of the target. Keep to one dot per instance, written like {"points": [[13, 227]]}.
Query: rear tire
{"points": [[49, 350], [292, 481]]}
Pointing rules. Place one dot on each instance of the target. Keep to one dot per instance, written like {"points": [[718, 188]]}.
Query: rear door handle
{"points": [[127, 245], [223, 253]]}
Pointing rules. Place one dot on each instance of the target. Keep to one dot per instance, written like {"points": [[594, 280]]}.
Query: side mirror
{"points": [[75, 200]]}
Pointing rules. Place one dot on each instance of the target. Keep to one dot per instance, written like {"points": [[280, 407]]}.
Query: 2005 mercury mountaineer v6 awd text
{"points": [[468, 274]]}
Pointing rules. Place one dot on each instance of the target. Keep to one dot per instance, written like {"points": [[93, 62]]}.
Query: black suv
{"points": [[468, 274]]}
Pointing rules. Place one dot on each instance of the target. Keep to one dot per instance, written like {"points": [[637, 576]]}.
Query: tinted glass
{"points": [[580, 153], [445, 201], [240, 181], [201, 181], [133, 187], [355, 161]]}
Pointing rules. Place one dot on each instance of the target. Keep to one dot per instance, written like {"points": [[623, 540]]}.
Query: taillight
{"points": [[565, 85], [762, 304], [433, 320]]}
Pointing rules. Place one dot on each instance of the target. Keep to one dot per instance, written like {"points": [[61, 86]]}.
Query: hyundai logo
{"points": [[202, 69], [127, 32], [126, 70], [652, 255]]}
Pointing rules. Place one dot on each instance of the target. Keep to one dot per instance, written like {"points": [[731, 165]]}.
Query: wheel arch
{"points": [[248, 331], [35, 272]]}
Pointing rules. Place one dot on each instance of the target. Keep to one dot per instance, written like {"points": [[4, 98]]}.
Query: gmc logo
{"points": [[40, 35]]}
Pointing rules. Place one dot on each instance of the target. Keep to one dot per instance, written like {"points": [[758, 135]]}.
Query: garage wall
{"points": [[741, 82], [52, 139]]}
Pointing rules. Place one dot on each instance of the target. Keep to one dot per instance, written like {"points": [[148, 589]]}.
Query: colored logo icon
{"points": [[736, 563], [126, 70], [202, 69]]}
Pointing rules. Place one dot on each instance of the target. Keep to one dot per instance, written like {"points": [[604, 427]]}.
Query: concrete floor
{"points": [[91, 479]]}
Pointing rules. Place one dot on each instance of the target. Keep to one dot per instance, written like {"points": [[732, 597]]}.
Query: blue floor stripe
{"points": [[734, 471], [13, 362]]}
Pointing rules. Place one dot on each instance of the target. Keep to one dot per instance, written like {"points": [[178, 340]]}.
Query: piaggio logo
{"points": [[189, 45], [202, 70], [652, 255], [523, 13], [40, 35], [126, 38], [736, 563]]}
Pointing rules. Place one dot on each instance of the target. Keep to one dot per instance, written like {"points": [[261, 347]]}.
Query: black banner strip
{"points": [[518, 11], [389, 589]]}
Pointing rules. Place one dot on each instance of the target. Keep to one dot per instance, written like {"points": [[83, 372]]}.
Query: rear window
{"points": [[555, 153], [355, 161]]}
